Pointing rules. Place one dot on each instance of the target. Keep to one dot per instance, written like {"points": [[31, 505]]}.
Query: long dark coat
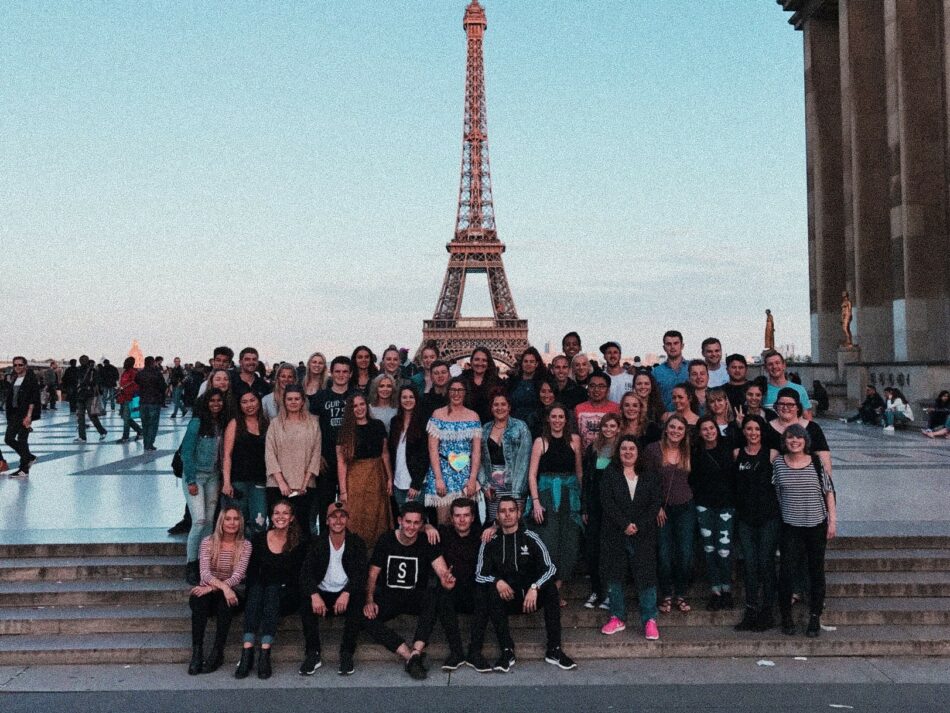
{"points": [[620, 511]]}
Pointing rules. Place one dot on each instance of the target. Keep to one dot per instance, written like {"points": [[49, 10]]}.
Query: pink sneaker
{"points": [[613, 626], [652, 633]]}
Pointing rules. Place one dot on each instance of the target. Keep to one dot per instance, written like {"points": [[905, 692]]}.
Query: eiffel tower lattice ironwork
{"points": [[475, 247]]}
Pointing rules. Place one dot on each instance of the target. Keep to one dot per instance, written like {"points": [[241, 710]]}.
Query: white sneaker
{"points": [[77, 439], [591, 601], [889, 429]]}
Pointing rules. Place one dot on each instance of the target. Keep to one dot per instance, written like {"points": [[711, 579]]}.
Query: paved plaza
{"points": [[888, 484]]}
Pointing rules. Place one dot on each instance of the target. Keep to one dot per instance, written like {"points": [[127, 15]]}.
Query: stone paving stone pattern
{"points": [[888, 484]]}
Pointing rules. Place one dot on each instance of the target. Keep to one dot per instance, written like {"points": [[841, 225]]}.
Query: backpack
{"points": [[178, 467]]}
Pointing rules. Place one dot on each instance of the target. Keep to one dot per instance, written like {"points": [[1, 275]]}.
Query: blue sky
{"points": [[285, 174]]}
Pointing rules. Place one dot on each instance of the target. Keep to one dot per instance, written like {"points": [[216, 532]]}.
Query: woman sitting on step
{"points": [[272, 585], [223, 562]]}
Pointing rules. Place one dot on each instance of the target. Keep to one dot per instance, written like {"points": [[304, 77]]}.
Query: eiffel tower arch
{"points": [[475, 248]]}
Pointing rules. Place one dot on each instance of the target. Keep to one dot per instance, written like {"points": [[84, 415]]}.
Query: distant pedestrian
{"points": [[151, 397], [22, 407], [87, 399], [126, 392]]}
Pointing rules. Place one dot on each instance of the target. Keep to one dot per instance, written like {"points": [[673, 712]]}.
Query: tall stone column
{"points": [[826, 249], [865, 175], [917, 119]]}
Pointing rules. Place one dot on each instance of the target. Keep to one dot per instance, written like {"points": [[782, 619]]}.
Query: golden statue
{"points": [[846, 316], [769, 330]]}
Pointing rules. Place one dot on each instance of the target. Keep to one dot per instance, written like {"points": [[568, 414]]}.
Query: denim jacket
{"points": [[199, 454], [516, 445]]}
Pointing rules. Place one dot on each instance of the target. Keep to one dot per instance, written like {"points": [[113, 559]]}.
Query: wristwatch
{"points": [[534, 586]]}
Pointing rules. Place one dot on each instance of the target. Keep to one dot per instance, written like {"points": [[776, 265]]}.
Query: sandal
{"points": [[682, 605], [666, 605]]}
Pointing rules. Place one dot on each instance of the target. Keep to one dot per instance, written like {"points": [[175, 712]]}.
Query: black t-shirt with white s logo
{"points": [[404, 567]]}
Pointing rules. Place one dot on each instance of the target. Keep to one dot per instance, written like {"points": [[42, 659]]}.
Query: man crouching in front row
{"points": [[517, 575], [404, 558]]}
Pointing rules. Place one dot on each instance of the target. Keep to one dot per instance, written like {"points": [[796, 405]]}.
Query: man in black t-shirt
{"points": [[460, 543], [438, 395], [328, 405], [398, 583], [738, 383]]}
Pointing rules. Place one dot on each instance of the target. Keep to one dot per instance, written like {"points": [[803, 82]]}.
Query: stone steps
{"points": [[66, 568], [582, 644], [161, 618], [127, 603]]}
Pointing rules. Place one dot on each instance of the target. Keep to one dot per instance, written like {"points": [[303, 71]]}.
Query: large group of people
{"points": [[368, 490]]}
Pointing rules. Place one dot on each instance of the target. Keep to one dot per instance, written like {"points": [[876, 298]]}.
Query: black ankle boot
{"points": [[197, 658], [263, 665], [814, 626], [788, 625], [748, 620], [214, 660], [764, 621], [246, 663], [193, 573]]}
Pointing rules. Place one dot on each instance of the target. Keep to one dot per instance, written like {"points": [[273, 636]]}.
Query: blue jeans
{"points": [[108, 397], [253, 505], [402, 496], [758, 544], [892, 418], [177, 404], [675, 549], [647, 595], [201, 507], [150, 414], [266, 604], [715, 531], [128, 423]]}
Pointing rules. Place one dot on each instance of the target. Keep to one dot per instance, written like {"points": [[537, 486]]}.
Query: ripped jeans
{"points": [[201, 507], [715, 532]]}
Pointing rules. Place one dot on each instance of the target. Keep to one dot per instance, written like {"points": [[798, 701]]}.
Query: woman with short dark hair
{"points": [[809, 519]]}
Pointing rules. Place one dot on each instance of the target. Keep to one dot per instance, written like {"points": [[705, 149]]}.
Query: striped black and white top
{"points": [[801, 493]]}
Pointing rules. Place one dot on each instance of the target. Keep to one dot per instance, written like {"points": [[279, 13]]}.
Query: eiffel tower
{"points": [[475, 247]]}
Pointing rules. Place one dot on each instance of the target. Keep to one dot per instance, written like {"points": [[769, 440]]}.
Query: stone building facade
{"points": [[877, 111]]}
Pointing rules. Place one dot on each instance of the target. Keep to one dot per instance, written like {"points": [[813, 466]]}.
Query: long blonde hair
{"points": [[683, 447], [217, 537], [309, 378], [278, 389], [641, 423]]}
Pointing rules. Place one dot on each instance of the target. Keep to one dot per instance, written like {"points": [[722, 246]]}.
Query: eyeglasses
{"points": [[19, 363], [785, 404], [592, 385], [457, 391]]}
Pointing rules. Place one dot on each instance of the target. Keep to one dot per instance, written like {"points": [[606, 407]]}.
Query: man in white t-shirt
{"points": [[620, 381], [712, 355], [333, 582]]}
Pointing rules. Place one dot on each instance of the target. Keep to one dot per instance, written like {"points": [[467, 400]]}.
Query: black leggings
{"points": [[797, 543], [202, 609]]}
